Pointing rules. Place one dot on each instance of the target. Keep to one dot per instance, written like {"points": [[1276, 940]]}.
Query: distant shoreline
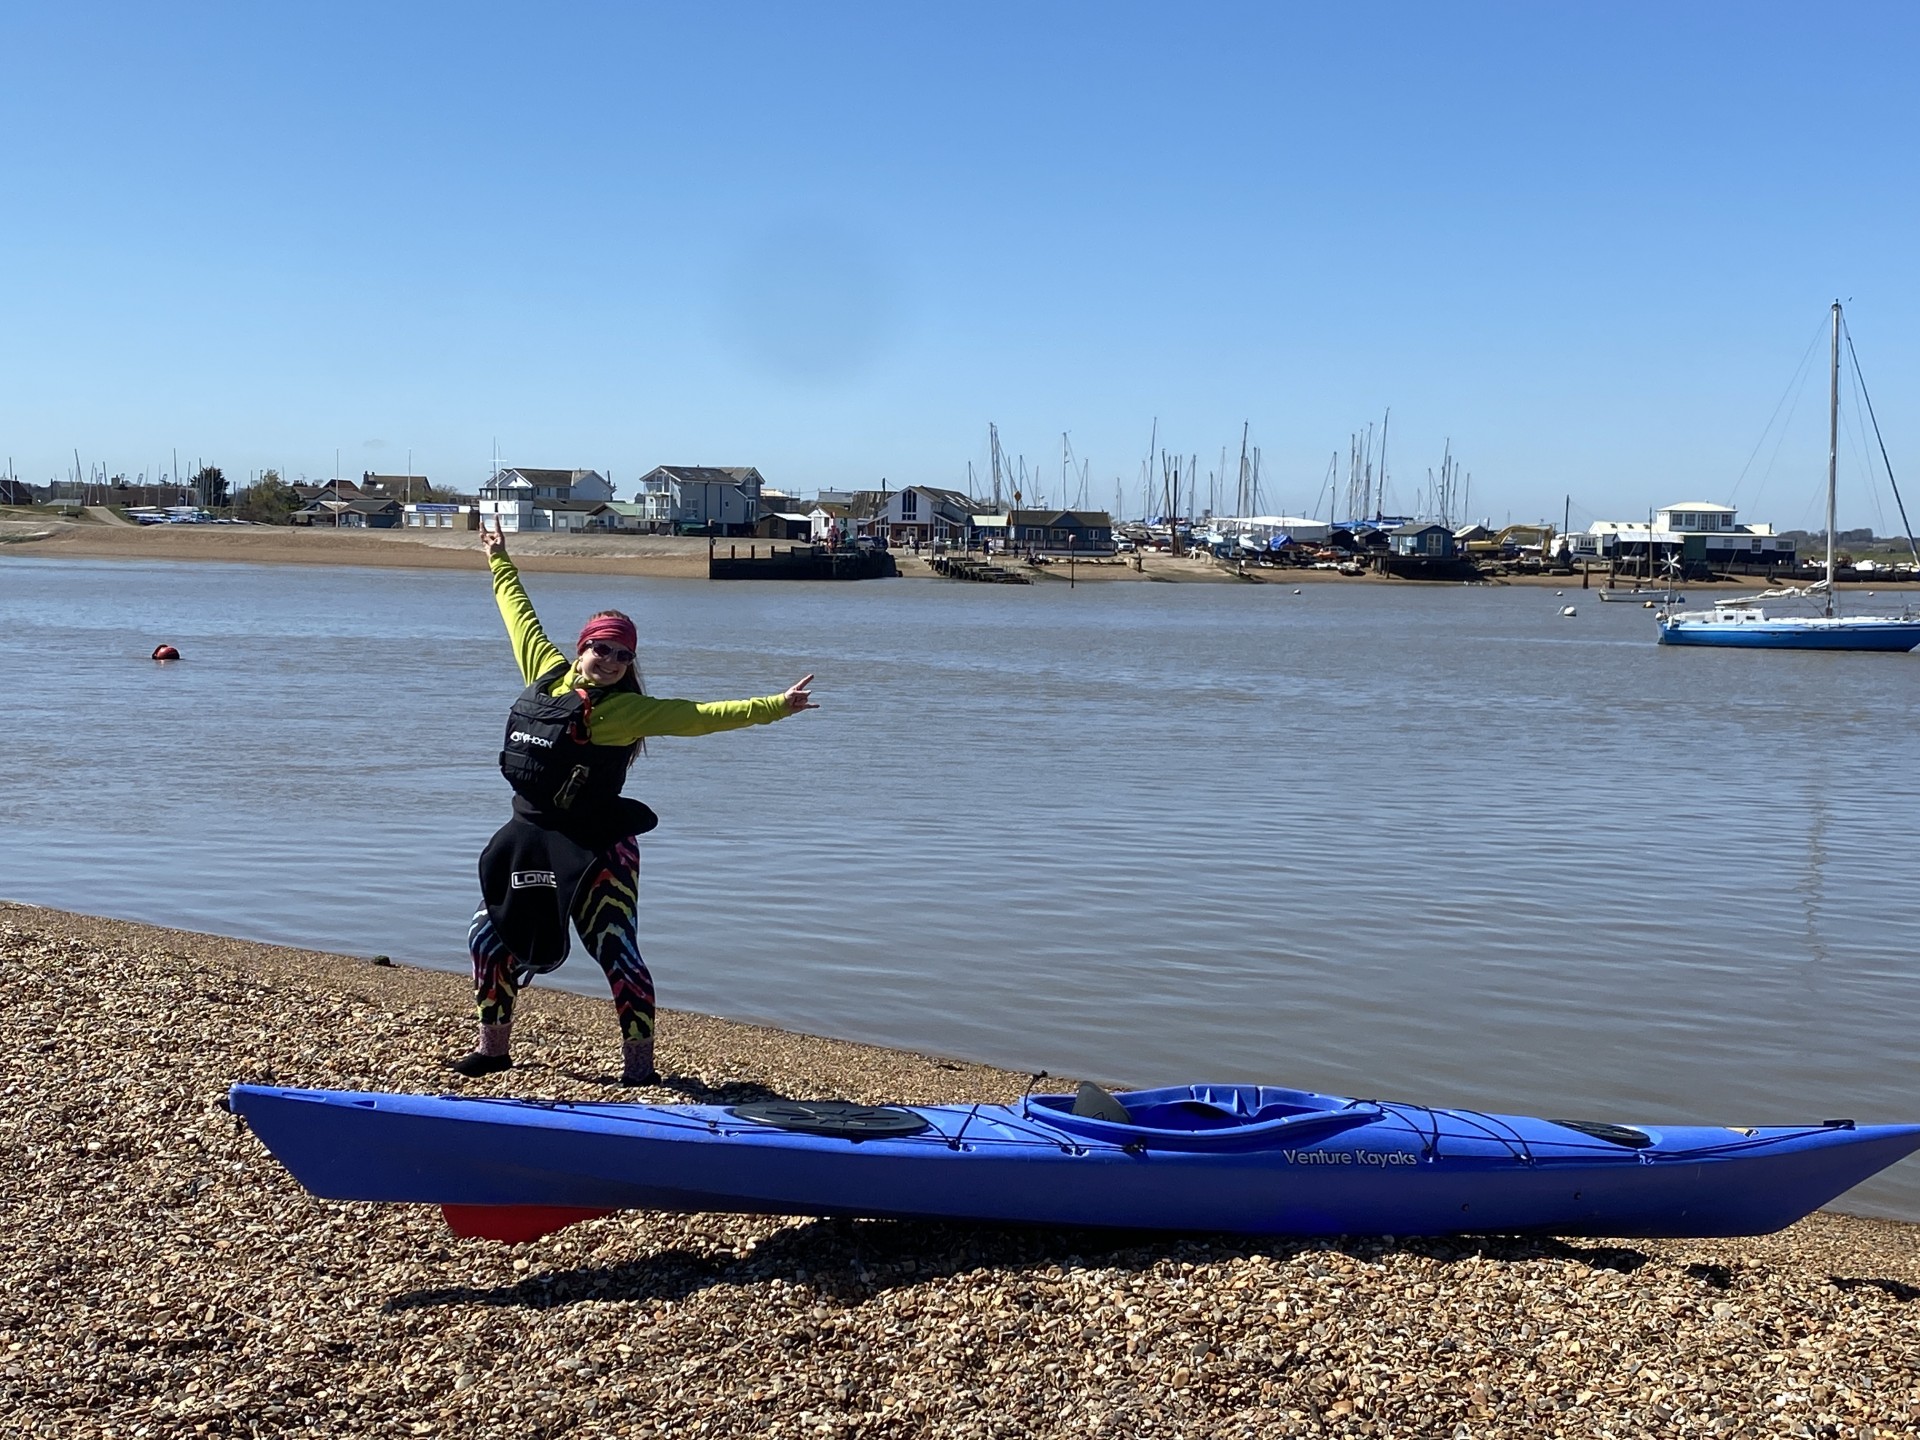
{"points": [[665, 557]]}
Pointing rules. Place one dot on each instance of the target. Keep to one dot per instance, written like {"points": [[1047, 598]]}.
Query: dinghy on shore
{"points": [[1251, 1159]]}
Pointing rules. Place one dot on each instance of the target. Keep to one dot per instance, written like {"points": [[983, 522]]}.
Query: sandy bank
{"points": [[664, 556], [660, 556], [165, 1278]]}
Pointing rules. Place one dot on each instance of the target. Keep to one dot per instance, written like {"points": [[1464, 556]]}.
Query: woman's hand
{"points": [[798, 697], [494, 541]]}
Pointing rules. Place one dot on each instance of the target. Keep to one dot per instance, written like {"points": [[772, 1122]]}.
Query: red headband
{"points": [[616, 628]]}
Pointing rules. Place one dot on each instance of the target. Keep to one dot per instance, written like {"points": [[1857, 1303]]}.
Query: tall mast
{"points": [[993, 449], [1833, 448], [1241, 498], [1380, 509]]}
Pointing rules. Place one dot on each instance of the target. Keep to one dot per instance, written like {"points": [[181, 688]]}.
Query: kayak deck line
{"points": [[1233, 1158]]}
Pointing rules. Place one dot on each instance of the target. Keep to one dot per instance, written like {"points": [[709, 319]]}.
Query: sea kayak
{"points": [[1250, 1159]]}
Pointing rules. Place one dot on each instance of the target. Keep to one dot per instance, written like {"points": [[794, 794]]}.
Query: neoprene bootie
{"points": [[475, 1065], [490, 1056], [636, 1063]]}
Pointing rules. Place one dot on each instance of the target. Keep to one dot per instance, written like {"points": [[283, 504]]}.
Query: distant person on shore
{"points": [[570, 852]]}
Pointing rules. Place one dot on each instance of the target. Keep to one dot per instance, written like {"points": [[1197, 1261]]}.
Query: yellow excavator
{"points": [[1515, 537]]}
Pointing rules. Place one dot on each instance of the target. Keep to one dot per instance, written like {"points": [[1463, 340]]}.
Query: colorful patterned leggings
{"points": [[606, 918]]}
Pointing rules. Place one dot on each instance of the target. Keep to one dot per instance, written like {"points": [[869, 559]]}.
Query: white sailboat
{"points": [[1745, 623]]}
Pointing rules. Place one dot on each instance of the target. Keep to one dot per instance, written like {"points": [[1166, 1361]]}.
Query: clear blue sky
{"points": [[1590, 244]]}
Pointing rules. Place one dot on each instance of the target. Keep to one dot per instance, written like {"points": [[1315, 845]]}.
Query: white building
{"points": [[927, 515], [1693, 532], [421, 515], [692, 499], [524, 499]]}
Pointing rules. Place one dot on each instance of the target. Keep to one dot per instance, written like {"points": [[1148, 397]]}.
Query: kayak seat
{"points": [[1092, 1103], [1206, 1115], [1203, 1117]]}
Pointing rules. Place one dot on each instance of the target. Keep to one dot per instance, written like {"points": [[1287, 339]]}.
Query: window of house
{"points": [[909, 506]]}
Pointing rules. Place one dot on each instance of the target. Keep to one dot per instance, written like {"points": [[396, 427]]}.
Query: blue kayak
{"points": [[1252, 1159]]}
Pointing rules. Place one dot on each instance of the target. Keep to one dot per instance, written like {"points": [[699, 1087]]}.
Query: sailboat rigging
{"points": [[1741, 622]]}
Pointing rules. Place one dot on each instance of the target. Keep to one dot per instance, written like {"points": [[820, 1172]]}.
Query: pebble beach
{"points": [[165, 1277]]}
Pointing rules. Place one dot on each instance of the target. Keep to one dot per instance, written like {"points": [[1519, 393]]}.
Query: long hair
{"points": [[633, 681]]}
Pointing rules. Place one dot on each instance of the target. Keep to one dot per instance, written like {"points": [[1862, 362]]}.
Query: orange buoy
{"points": [[165, 652]]}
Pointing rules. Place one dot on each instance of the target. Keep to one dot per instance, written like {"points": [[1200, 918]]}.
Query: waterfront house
{"points": [[1700, 537], [925, 515], [624, 517], [322, 504], [529, 499], [396, 487], [327, 490], [701, 499], [1085, 532], [374, 512], [364, 512]]}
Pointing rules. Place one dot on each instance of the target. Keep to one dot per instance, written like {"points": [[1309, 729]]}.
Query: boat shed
{"points": [[783, 525], [1428, 540]]}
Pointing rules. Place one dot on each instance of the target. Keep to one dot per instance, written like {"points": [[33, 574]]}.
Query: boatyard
{"points": [[167, 1278], [25, 532]]}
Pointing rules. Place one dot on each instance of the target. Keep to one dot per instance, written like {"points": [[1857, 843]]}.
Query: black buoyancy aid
{"points": [[548, 758], [568, 810]]}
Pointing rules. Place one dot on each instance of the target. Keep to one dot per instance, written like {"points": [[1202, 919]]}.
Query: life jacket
{"points": [[549, 761], [568, 812]]}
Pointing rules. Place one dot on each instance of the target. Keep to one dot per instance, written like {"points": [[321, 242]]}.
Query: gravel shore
{"points": [[165, 1277]]}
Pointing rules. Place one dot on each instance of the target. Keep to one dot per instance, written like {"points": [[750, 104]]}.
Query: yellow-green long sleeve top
{"points": [[619, 716]]}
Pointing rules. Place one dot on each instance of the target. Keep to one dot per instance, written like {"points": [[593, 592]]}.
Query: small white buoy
{"points": [[1567, 610], [1559, 592], [1296, 589]]}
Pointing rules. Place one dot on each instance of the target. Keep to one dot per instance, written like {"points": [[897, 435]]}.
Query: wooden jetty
{"points": [[968, 567], [799, 562]]}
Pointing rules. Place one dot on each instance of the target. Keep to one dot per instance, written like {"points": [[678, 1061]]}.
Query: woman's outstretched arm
{"points": [[532, 650]]}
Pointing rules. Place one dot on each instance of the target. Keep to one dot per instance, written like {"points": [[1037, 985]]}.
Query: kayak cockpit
{"points": [[1202, 1117]]}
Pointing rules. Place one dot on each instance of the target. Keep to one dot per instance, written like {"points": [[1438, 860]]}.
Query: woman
{"points": [[570, 851]]}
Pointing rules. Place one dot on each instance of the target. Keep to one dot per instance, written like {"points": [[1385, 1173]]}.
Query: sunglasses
{"points": [[619, 654]]}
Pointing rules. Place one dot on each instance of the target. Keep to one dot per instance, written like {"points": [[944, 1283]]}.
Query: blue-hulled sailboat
{"points": [[1744, 623]]}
